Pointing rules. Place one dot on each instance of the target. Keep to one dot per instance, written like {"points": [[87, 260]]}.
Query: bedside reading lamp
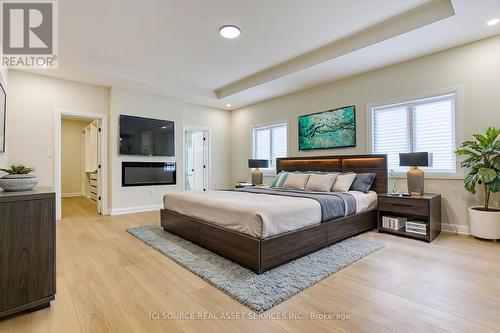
{"points": [[257, 175], [415, 176]]}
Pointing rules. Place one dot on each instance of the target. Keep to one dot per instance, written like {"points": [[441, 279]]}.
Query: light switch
{"points": [[50, 153]]}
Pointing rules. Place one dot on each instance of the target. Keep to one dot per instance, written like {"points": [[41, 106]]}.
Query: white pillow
{"points": [[320, 182], [343, 182], [296, 181]]}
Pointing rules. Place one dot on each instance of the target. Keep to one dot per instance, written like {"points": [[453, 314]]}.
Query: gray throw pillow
{"points": [[363, 182]]}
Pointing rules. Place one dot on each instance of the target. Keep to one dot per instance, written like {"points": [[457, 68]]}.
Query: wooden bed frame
{"points": [[260, 255]]}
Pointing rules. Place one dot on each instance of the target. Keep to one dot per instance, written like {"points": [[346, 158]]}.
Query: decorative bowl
{"points": [[15, 183]]}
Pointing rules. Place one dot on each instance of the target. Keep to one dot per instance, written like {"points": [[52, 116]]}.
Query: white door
{"points": [[198, 161], [98, 166], [196, 175], [93, 162]]}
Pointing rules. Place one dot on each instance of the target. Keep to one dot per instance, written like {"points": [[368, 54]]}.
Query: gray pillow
{"points": [[363, 182]]}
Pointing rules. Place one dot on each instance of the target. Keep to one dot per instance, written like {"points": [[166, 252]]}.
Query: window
{"points": [[270, 142], [422, 125]]}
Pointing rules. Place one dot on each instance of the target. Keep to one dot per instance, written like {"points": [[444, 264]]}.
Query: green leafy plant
{"points": [[483, 160], [18, 170]]}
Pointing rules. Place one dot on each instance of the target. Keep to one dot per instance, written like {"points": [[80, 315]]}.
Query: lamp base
{"points": [[415, 179], [257, 176]]}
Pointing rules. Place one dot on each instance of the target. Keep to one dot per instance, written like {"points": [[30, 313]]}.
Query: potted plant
{"points": [[18, 178], [483, 160]]}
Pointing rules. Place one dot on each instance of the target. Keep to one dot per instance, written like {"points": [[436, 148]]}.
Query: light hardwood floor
{"points": [[107, 281]]}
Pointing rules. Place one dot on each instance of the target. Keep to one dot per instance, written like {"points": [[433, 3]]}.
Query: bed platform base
{"points": [[260, 255]]}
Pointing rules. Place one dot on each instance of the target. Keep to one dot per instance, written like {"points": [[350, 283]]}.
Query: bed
{"points": [[260, 229]]}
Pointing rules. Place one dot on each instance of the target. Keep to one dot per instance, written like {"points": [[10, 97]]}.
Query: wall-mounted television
{"points": [[146, 137]]}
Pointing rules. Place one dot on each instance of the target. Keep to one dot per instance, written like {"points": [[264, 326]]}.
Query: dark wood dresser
{"points": [[27, 250]]}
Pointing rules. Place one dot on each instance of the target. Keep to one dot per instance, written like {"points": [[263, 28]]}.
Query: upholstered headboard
{"points": [[342, 163]]}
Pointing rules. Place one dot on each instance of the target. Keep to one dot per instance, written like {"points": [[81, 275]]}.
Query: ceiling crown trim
{"points": [[426, 14]]}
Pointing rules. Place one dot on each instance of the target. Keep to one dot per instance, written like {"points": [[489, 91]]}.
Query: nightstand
{"points": [[425, 209]]}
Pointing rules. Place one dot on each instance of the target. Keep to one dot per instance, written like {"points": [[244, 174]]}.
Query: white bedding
{"points": [[258, 215]]}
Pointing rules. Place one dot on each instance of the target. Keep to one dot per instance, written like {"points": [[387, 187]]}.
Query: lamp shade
{"points": [[252, 163], [415, 159]]}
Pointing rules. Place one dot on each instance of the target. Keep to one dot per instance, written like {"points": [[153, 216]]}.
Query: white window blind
{"points": [[426, 125], [270, 142]]}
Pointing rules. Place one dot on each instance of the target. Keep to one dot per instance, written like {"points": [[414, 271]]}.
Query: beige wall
{"points": [[474, 67], [127, 102], [3, 80], [218, 122], [125, 199], [71, 156], [32, 102]]}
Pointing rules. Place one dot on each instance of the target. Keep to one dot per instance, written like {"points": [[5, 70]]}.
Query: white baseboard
{"points": [[132, 210], [71, 195], [455, 228]]}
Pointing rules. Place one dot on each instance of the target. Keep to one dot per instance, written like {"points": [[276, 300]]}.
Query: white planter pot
{"points": [[484, 224]]}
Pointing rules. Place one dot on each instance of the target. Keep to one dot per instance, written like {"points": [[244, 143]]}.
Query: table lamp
{"points": [[415, 176], [257, 175]]}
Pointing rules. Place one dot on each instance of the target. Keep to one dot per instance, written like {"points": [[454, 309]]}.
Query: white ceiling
{"points": [[172, 47]]}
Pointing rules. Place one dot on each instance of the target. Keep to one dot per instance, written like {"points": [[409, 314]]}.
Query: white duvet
{"points": [[258, 215]]}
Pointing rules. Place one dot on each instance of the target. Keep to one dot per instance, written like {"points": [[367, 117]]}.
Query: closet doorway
{"points": [[197, 159], [80, 165]]}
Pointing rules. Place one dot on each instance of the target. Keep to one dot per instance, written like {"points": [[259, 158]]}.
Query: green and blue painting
{"points": [[328, 129]]}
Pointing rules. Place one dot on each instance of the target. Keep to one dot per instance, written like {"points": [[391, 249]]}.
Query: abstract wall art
{"points": [[328, 129]]}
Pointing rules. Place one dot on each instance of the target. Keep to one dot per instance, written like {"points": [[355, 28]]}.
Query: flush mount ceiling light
{"points": [[229, 31], [493, 21], [228, 105]]}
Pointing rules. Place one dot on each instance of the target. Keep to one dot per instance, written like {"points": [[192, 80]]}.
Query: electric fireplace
{"points": [[148, 173]]}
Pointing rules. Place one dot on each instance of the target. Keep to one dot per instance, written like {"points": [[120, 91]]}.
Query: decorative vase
{"points": [[484, 224], [15, 183], [394, 181]]}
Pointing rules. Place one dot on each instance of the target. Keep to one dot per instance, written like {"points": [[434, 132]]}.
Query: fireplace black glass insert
{"points": [[148, 173]]}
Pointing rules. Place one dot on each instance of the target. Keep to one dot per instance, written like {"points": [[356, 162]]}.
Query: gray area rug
{"points": [[258, 292]]}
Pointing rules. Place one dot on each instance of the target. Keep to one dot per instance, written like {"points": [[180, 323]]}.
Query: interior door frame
{"points": [[103, 154], [209, 154]]}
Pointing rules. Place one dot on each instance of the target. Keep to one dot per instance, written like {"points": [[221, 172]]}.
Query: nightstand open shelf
{"points": [[404, 234], [425, 208]]}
